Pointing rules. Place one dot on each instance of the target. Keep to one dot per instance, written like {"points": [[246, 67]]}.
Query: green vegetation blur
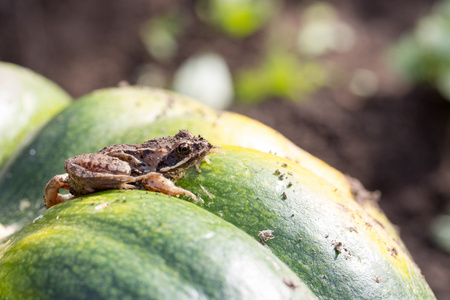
{"points": [[423, 55], [287, 63]]}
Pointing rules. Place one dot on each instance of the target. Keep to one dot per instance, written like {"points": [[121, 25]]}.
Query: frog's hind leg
{"points": [[96, 172], [158, 183], [51, 191]]}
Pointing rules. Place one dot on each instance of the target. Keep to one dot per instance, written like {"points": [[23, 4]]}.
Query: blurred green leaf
{"points": [[160, 34], [424, 54], [322, 31], [238, 18], [441, 232], [281, 74]]}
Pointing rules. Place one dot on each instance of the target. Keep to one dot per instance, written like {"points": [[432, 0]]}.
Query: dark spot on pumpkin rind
{"points": [[352, 229], [360, 194], [265, 235], [342, 207], [338, 247], [379, 223], [291, 284], [393, 252]]}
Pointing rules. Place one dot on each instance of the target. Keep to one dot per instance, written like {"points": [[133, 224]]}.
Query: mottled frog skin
{"points": [[154, 165]]}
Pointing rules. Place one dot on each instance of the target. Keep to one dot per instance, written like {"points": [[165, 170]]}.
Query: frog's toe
{"points": [[216, 151], [187, 193], [197, 167], [51, 191], [125, 186]]}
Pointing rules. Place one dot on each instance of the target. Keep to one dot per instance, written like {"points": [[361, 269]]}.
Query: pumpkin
{"points": [[131, 245], [301, 209], [27, 102]]}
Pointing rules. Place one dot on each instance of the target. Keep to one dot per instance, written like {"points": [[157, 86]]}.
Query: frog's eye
{"points": [[184, 148]]}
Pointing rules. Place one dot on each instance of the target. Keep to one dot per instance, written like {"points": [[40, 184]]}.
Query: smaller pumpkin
{"points": [[27, 101]]}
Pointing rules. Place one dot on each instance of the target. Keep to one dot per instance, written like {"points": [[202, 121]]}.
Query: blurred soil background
{"points": [[328, 75]]}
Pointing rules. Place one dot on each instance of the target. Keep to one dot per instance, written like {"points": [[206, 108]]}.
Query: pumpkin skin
{"points": [[327, 238], [27, 102], [342, 250], [136, 245]]}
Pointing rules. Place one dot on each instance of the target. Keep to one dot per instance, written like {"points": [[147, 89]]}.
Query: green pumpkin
{"points": [[131, 245], [339, 248], [27, 101]]}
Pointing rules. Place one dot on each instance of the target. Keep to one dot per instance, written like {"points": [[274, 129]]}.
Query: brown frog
{"points": [[154, 165]]}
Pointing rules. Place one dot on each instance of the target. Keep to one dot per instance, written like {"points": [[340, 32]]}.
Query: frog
{"points": [[155, 165]]}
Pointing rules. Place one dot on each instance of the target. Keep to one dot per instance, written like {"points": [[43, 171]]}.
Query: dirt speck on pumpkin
{"points": [[393, 252], [360, 194], [290, 283], [342, 207], [38, 218], [265, 236], [279, 174], [338, 247], [352, 229], [102, 206]]}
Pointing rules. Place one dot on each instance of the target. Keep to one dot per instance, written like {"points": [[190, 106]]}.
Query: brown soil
{"points": [[396, 142]]}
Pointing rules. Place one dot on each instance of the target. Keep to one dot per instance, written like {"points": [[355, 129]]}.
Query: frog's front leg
{"points": [[158, 183], [51, 191]]}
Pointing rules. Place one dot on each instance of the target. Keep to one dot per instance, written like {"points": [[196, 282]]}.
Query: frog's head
{"points": [[186, 150]]}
